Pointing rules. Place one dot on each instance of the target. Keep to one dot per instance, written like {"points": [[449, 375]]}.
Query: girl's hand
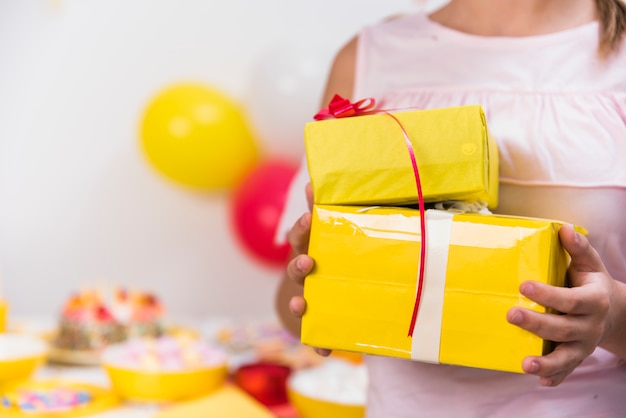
{"points": [[301, 265], [586, 311]]}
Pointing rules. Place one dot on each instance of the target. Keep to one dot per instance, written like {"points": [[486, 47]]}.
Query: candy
{"points": [[169, 354], [47, 400]]}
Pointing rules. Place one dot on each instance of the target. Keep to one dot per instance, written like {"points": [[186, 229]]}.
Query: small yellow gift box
{"points": [[366, 160], [362, 291]]}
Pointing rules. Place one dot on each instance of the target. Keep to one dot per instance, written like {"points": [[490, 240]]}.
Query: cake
{"points": [[92, 319]]}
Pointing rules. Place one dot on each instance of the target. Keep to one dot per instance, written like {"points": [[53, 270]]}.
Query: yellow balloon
{"points": [[198, 137]]}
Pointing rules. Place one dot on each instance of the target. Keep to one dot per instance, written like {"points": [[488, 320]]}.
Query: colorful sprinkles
{"points": [[47, 400]]}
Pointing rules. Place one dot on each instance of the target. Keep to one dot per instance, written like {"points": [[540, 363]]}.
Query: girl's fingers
{"points": [[298, 235], [323, 351], [308, 190], [575, 300], [585, 259], [299, 267], [554, 327], [556, 366], [297, 306]]}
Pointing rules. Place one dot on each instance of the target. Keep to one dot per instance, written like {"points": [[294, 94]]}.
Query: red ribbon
{"points": [[341, 108]]}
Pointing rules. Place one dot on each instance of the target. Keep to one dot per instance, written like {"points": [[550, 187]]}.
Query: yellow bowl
{"points": [[20, 356], [308, 407], [302, 386], [139, 385]]}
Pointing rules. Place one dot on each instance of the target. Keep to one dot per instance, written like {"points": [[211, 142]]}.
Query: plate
{"points": [[73, 357], [92, 357]]}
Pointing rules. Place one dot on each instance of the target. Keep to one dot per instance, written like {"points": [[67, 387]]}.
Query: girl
{"points": [[551, 77]]}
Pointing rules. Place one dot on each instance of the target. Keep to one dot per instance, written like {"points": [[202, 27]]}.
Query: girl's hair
{"points": [[612, 15]]}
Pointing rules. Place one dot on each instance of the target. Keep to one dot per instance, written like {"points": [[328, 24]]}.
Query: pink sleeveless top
{"points": [[558, 114]]}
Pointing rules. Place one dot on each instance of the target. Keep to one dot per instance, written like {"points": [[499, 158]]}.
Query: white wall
{"points": [[79, 204]]}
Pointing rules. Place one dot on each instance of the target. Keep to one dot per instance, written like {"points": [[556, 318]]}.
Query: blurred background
{"points": [[135, 137]]}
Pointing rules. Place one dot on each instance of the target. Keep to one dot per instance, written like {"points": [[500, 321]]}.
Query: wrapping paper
{"points": [[361, 293], [364, 159]]}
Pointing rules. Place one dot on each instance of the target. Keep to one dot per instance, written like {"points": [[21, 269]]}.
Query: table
{"points": [[96, 375]]}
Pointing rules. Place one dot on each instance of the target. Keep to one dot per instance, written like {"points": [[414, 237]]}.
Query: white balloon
{"points": [[286, 87]]}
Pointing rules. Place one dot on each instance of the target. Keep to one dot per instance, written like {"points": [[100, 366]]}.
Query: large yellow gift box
{"points": [[362, 291], [366, 159]]}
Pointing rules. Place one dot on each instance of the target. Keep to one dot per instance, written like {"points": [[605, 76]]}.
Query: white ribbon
{"points": [[427, 331]]}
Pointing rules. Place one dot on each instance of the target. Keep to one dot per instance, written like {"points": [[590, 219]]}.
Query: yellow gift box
{"points": [[366, 160], [362, 291]]}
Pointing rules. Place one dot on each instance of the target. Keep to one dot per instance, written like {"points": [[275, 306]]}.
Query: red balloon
{"points": [[256, 208]]}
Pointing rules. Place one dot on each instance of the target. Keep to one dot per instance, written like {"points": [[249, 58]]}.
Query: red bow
{"points": [[343, 108]]}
